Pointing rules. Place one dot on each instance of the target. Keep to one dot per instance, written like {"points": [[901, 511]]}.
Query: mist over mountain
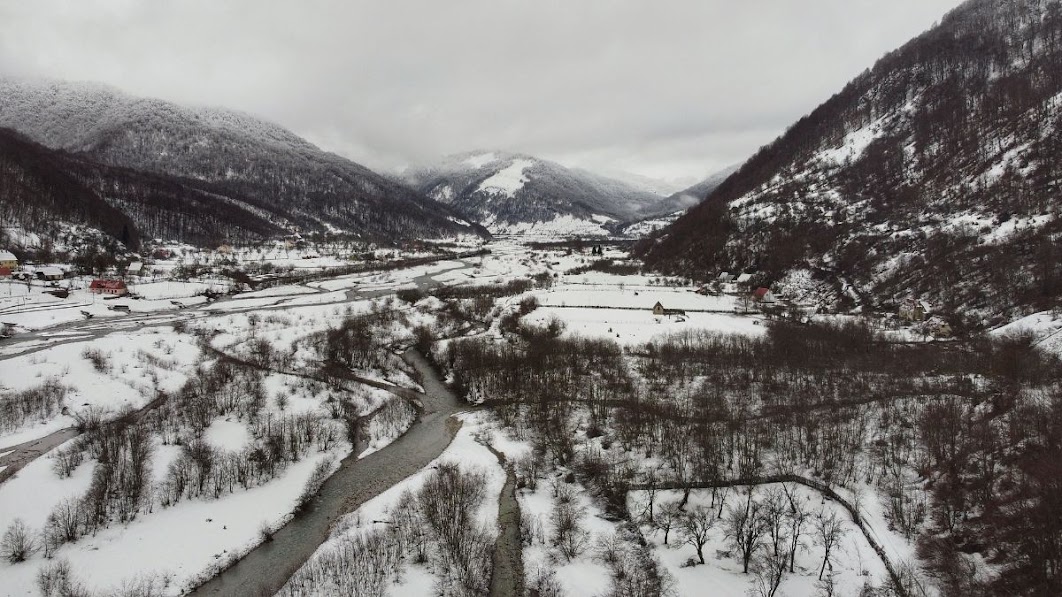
{"points": [[261, 171]]}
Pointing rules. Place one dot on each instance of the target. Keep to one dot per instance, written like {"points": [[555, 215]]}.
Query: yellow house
{"points": [[7, 259]]}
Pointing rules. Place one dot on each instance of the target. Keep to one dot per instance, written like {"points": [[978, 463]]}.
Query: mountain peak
{"points": [[513, 192]]}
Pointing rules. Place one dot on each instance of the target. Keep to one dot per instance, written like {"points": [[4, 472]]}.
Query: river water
{"points": [[265, 569]]}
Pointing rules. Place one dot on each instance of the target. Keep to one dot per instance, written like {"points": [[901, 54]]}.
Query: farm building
{"points": [[914, 310], [658, 309], [112, 287], [50, 273], [763, 295]]}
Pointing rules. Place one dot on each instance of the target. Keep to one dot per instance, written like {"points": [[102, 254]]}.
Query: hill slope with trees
{"points": [[935, 174], [239, 159]]}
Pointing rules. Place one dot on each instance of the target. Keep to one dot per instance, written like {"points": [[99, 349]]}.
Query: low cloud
{"points": [[671, 89]]}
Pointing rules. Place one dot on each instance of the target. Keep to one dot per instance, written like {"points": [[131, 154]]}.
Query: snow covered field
{"points": [[637, 297], [638, 327]]}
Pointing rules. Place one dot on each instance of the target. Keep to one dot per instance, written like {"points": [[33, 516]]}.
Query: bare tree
{"points": [[667, 517], [770, 568], [18, 542], [829, 529], [569, 536], [695, 526], [744, 528], [798, 516]]}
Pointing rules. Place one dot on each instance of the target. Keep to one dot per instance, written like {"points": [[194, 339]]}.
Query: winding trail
{"points": [[265, 569]]}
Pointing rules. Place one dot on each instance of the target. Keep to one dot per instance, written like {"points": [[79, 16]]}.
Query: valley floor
{"points": [[233, 415]]}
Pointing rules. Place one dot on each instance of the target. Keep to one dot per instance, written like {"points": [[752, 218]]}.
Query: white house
{"points": [[8, 260]]}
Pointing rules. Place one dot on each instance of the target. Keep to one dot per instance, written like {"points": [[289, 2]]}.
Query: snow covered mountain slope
{"points": [[687, 198], [518, 194], [936, 174], [239, 158], [671, 208], [44, 192]]}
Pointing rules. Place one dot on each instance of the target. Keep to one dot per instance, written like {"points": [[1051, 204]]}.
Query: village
{"points": [[36, 295]]}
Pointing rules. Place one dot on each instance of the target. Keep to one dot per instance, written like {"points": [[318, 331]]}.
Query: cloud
{"points": [[672, 86]]}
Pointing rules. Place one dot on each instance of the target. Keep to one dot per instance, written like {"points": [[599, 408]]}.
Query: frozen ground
{"points": [[856, 561], [638, 327], [1044, 327]]}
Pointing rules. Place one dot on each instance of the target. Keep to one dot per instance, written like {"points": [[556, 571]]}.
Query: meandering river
{"points": [[265, 569]]}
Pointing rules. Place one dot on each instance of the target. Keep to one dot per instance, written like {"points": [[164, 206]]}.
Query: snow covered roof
{"points": [[7, 256], [744, 278], [134, 267], [51, 271]]}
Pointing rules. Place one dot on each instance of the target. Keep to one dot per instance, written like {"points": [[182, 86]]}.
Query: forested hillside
{"points": [[43, 191], [935, 174], [226, 157]]}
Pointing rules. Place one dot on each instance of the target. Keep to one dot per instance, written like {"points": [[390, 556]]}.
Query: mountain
{"points": [[513, 193], [667, 210], [687, 198], [38, 189], [936, 174], [258, 169]]}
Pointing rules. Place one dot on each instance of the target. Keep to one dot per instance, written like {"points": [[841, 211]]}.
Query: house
{"points": [[8, 260], [49, 273], [134, 269], [744, 278], [725, 277], [5, 271], [937, 327], [763, 295], [111, 287], [658, 309], [914, 310]]}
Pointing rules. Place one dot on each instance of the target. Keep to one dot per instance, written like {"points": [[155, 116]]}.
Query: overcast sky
{"points": [[672, 89]]}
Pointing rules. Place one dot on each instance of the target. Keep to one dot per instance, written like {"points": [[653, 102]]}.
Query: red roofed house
{"points": [[114, 287], [763, 295]]}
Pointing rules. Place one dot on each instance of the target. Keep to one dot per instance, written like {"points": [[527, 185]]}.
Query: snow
{"points": [[854, 143], [1045, 327], [635, 297], [479, 160], [507, 181], [985, 226], [471, 455], [34, 491], [647, 227], [180, 542], [856, 561], [638, 327], [227, 434], [561, 226]]}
